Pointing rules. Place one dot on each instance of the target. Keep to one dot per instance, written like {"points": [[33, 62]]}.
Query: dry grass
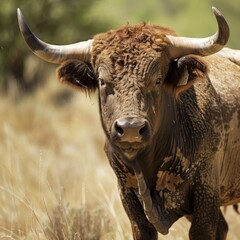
{"points": [[55, 181]]}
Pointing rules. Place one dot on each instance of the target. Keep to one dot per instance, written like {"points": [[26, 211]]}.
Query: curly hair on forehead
{"points": [[139, 37], [140, 32]]}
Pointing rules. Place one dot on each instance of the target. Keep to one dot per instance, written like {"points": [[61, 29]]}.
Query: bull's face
{"points": [[129, 68], [133, 90], [130, 90]]}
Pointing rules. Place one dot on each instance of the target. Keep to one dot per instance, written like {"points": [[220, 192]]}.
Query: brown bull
{"points": [[170, 109]]}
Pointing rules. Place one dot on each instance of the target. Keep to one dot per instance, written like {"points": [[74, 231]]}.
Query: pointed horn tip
{"points": [[216, 12], [19, 14], [21, 21], [222, 21]]}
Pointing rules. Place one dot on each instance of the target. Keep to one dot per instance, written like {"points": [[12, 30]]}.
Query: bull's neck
{"points": [[162, 142], [167, 136], [172, 143]]}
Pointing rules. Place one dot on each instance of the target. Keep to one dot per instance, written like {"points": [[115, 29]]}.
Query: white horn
{"points": [[181, 46], [54, 53]]}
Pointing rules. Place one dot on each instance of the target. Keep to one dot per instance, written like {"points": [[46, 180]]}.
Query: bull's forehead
{"points": [[154, 36], [140, 67], [142, 64], [130, 43]]}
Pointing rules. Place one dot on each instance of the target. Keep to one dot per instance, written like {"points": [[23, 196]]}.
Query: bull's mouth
{"points": [[130, 153], [130, 150]]}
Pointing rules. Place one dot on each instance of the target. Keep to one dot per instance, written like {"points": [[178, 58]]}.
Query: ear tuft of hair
{"points": [[78, 74]]}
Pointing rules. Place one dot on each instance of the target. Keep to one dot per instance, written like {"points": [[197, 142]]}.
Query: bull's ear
{"points": [[183, 73], [78, 74]]}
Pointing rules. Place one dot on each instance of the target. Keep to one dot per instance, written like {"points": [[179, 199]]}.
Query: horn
{"points": [[181, 46], [54, 53]]}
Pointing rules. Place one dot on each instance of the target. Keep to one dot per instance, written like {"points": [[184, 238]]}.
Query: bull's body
{"points": [[196, 154], [226, 83], [171, 119]]}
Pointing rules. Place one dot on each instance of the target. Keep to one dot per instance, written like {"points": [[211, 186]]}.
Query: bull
{"points": [[170, 110]]}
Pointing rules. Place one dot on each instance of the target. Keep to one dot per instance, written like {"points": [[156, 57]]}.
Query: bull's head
{"points": [[132, 68]]}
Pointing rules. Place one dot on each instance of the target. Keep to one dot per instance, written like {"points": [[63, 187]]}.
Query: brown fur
{"points": [[131, 38]]}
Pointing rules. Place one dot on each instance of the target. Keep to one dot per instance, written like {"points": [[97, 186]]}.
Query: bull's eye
{"points": [[110, 89], [102, 82], [107, 88], [158, 81]]}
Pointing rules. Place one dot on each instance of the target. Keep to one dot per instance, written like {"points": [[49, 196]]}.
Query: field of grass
{"points": [[55, 181]]}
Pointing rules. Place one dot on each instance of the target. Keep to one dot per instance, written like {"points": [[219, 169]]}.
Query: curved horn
{"points": [[54, 53], [181, 46]]}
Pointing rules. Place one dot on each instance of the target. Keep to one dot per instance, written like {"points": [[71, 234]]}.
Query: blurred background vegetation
{"points": [[63, 22]]}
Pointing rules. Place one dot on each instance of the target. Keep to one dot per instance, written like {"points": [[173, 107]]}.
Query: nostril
{"points": [[130, 130], [119, 129], [143, 130]]}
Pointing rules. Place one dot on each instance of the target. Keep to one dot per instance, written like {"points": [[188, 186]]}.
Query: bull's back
{"points": [[225, 77]]}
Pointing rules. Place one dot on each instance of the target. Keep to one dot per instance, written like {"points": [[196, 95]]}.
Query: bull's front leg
{"points": [[207, 219], [142, 229]]}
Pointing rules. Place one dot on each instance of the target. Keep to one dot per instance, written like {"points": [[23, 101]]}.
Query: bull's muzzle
{"points": [[130, 134], [130, 129]]}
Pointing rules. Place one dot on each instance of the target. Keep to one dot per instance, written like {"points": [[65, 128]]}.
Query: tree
{"points": [[63, 22], [55, 21]]}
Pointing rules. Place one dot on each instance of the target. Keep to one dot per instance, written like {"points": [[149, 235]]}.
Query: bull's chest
{"points": [[170, 190], [170, 186], [168, 193]]}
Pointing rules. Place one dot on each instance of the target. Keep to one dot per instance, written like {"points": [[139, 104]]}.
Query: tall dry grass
{"points": [[55, 181]]}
